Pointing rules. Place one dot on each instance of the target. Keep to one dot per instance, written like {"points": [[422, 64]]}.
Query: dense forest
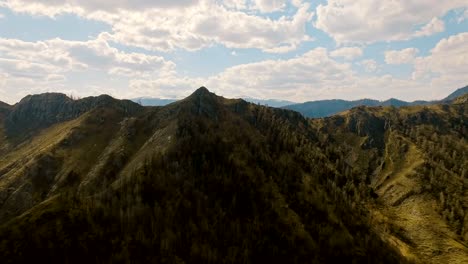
{"points": [[212, 180]]}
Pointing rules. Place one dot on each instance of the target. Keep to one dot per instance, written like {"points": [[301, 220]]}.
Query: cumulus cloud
{"points": [[369, 65], [348, 53], [53, 7], [312, 76], [463, 15], [47, 65], [434, 26], [191, 26], [447, 64], [267, 6], [367, 21], [404, 56], [95, 66], [59, 55]]}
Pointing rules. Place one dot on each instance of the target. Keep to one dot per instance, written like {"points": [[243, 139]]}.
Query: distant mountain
{"points": [[457, 93], [268, 102], [148, 101], [325, 108]]}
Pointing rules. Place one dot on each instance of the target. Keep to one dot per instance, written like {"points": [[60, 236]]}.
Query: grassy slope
{"points": [[406, 213], [57, 158]]}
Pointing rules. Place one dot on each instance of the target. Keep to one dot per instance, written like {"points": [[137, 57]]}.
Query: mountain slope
{"points": [[413, 158], [35, 112], [456, 94], [214, 180], [205, 179]]}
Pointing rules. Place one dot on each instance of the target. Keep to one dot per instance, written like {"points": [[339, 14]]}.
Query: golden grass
{"points": [[407, 218]]}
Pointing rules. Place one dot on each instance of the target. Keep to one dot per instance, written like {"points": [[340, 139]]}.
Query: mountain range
{"points": [[320, 108], [324, 108], [213, 180], [149, 101]]}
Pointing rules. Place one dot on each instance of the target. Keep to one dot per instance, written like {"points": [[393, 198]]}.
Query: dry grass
{"points": [[408, 218]]}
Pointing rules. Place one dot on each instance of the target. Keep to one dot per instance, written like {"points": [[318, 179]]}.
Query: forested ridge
{"points": [[213, 180]]}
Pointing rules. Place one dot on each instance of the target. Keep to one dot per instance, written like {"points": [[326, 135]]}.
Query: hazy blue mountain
{"points": [[457, 93], [147, 101], [269, 102], [324, 108], [321, 108]]}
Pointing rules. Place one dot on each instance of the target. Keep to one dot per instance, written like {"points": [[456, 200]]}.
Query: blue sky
{"points": [[268, 49]]}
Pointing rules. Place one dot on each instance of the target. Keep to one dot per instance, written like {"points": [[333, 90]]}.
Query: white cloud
{"points": [[434, 26], [463, 16], [447, 64], [59, 65], [61, 56], [94, 66], [267, 6], [367, 21], [235, 4], [369, 65], [53, 7], [348, 53], [192, 26], [202, 26], [311, 76], [404, 56]]}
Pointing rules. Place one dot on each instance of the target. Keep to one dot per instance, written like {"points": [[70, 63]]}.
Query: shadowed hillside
{"points": [[213, 180]]}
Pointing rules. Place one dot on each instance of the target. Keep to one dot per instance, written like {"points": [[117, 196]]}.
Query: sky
{"points": [[267, 49]]}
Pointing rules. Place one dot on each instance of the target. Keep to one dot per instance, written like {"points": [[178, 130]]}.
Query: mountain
{"points": [[457, 93], [213, 180], [268, 102], [325, 108], [147, 101], [4, 108], [4, 105], [35, 112], [328, 107]]}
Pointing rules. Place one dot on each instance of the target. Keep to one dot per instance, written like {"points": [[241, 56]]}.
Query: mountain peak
{"points": [[201, 92], [45, 97]]}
